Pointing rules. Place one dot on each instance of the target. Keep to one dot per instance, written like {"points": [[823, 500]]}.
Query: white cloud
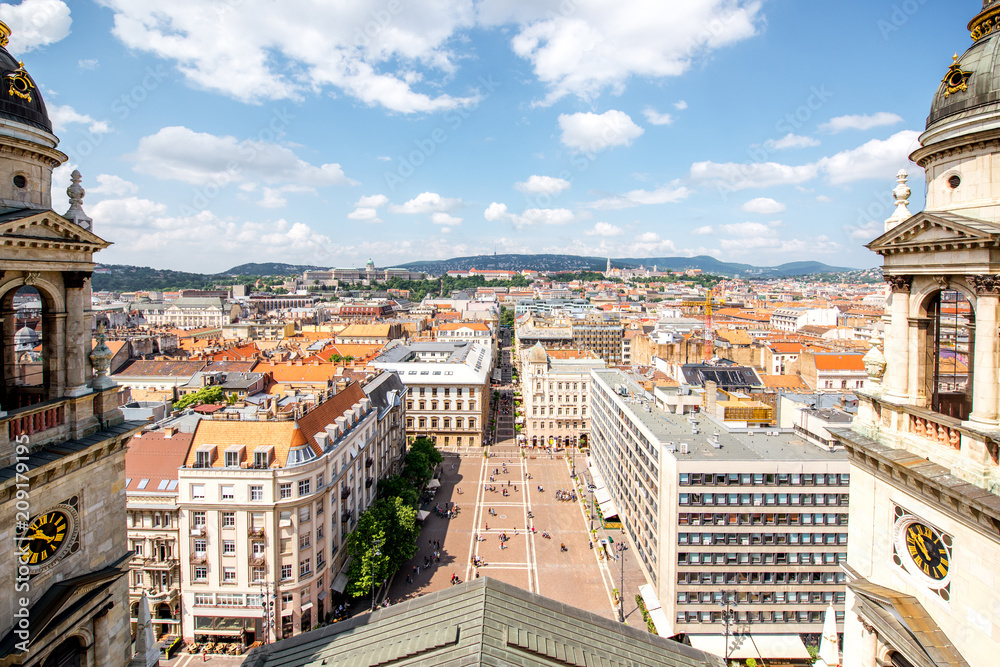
{"points": [[63, 115], [373, 201], [582, 48], [668, 194], [109, 184], [790, 141], [35, 23], [749, 229], [543, 185], [735, 176], [496, 212], [860, 122], [867, 231], [764, 205], [680, 105], [592, 133], [259, 50], [365, 214], [875, 159], [87, 63], [427, 202], [703, 231], [445, 219], [604, 229], [657, 118], [180, 154], [142, 226], [823, 199]]}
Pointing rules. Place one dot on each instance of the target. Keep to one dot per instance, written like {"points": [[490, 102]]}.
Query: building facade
{"points": [[555, 391], [706, 510], [265, 510], [448, 390], [925, 524], [62, 437]]}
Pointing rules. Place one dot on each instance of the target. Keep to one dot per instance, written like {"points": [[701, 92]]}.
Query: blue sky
{"points": [[216, 132]]}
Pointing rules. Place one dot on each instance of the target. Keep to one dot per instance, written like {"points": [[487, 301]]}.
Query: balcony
{"points": [[41, 422], [369, 462], [255, 532], [368, 482], [156, 564], [198, 531], [941, 430], [345, 493], [198, 558], [346, 515], [258, 561]]}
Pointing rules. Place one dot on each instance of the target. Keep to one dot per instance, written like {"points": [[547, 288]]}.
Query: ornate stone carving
{"points": [[901, 193], [75, 279], [875, 363], [32, 278], [100, 358], [76, 193], [899, 283], [988, 284]]}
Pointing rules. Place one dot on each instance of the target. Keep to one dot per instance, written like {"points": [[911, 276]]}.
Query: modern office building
{"points": [[448, 387], [707, 510], [925, 511]]}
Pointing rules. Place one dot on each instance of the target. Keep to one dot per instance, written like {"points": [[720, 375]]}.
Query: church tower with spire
{"points": [[63, 586]]}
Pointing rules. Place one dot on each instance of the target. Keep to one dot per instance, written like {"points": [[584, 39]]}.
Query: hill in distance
{"points": [[268, 269], [577, 263]]}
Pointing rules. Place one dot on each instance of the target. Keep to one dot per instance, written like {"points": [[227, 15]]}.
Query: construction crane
{"points": [[707, 304]]}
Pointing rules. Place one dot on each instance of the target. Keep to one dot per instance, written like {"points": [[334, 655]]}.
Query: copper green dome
{"points": [[20, 99]]}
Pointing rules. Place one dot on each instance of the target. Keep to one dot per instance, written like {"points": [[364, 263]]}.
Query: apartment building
{"points": [[555, 389], [793, 319], [603, 336], [153, 524], [190, 313], [478, 332], [707, 510], [265, 510], [448, 389]]}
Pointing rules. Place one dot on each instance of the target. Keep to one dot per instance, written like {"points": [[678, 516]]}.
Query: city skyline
{"points": [[468, 127]]}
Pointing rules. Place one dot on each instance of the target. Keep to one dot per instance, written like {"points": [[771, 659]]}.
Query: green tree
{"points": [[205, 395], [384, 539], [398, 487]]}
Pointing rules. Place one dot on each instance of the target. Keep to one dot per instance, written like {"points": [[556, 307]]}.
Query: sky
{"points": [[216, 132]]}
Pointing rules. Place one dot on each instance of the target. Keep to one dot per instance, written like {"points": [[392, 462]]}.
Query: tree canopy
{"points": [[384, 539], [204, 395]]}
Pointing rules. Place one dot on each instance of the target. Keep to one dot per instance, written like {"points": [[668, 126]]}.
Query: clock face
{"points": [[927, 550], [46, 537]]}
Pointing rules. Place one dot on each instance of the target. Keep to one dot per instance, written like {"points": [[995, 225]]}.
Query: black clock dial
{"points": [[44, 537], [927, 550]]}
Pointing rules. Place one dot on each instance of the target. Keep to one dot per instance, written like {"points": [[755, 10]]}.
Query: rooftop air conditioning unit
{"points": [[684, 448], [671, 447]]}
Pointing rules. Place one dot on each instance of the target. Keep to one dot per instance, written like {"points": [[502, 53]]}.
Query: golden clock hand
{"points": [[923, 548]]}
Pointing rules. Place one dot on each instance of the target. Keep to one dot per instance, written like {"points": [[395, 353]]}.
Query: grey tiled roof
{"points": [[481, 622]]}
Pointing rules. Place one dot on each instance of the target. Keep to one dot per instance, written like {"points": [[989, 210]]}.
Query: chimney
{"points": [[711, 395]]}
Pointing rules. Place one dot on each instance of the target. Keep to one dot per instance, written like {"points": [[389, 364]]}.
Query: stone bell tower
{"points": [[63, 589], [924, 542]]}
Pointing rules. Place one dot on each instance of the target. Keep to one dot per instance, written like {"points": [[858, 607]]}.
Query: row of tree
{"points": [[387, 532]]}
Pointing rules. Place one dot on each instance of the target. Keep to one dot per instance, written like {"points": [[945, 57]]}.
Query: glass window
{"points": [[228, 519], [197, 492], [285, 490], [228, 547], [303, 487], [256, 492]]}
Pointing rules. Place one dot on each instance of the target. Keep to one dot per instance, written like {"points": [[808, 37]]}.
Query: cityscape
{"points": [[275, 394]]}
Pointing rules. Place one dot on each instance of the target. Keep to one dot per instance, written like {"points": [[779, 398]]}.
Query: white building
{"points": [[555, 388], [706, 510], [793, 319], [265, 509], [448, 389]]}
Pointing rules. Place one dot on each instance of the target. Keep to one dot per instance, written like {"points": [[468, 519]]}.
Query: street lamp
{"points": [[376, 543], [729, 602], [622, 548], [590, 508]]}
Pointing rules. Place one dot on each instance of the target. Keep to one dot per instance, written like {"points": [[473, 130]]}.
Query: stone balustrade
{"points": [[941, 430]]}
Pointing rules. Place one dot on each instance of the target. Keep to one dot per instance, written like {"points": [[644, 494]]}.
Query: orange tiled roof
{"points": [[292, 372], [840, 362], [784, 382], [249, 434], [786, 348], [316, 419], [571, 354], [454, 326]]}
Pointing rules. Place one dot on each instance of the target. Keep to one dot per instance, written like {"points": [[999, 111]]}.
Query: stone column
{"points": [[77, 333], [897, 339], [869, 646], [918, 367], [987, 350], [53, 346]]}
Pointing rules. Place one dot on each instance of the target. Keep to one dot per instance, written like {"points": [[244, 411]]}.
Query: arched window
{"points": [[951, 347], [24, 324], [68, 654]]}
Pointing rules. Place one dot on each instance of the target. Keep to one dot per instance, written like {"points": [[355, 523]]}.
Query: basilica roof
{"points": [[20, 99]]}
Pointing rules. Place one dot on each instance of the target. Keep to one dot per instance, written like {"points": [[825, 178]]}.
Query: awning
{"points": [[340, 583], [307, 606], [422, 514], [608, 509], [767, 647], [655, 610], [596, 474], [433, 484], [602, 496]]}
